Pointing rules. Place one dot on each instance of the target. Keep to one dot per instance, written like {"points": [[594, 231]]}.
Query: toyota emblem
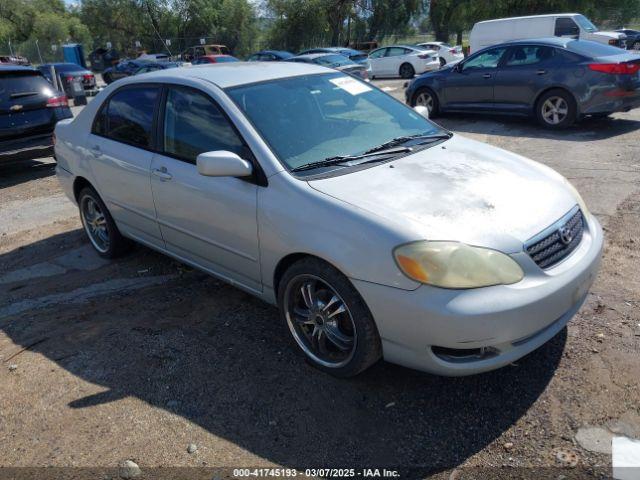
{"points": [[565, 235]]}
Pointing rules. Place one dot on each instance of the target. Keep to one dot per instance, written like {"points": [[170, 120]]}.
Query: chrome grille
{"points": [[558, 241]]}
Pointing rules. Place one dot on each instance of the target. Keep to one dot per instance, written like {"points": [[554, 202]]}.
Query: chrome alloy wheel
{"points": [[555, 110], [95, 223], [320, 321], [425, 99]]}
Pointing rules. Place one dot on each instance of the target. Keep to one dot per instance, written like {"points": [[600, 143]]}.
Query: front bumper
{"points": [[502, 323]]}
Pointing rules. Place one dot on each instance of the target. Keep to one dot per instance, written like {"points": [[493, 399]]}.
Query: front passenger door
{"points": [[470, 85], [208, 221]]}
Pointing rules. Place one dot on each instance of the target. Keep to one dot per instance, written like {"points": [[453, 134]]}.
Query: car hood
{"points": [[460, 190]]}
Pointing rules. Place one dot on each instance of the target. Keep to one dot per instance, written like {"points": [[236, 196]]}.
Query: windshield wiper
{"points": [[406, 138], [22, 94], [347, 159]]}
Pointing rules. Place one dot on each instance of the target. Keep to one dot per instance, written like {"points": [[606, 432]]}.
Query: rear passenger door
{"points": [[121, 145], [208, 221], [527, 69]]}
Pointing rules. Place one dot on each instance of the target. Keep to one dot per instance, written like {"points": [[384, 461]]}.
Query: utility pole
{"points": [[39, 54]]}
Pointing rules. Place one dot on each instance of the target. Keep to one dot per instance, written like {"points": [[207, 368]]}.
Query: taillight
{"points": [[87, 77], [453, 51], [615, 68], [69, 78], [60, 101], [613, 42]]}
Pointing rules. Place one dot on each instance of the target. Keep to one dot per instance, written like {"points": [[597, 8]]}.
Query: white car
{"points": [[446, 53], [402, 60]]}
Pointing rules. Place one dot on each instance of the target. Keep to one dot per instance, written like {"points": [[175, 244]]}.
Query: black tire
{"points": [[115, 245], [434, 110], [407, 71], [443, 62], [567, 110], [366, 349], [107, 78]]}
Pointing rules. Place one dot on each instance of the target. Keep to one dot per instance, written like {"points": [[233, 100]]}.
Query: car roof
{"points": [[312, 56], [527, 17], [233, 74], [60, 64], [17, 68], [551, 41], [277, 52]]}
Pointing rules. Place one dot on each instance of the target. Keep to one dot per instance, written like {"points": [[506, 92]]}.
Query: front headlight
{"points": [[456, 265]]}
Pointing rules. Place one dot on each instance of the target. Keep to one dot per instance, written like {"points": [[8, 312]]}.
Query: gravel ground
{"points": [[148, 361]]}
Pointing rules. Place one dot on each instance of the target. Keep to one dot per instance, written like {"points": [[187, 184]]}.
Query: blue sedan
{"points": [[556, 80]]}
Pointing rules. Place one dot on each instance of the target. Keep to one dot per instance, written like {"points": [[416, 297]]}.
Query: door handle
{"points": [[487, 75], [162, 174], [541, 72]]}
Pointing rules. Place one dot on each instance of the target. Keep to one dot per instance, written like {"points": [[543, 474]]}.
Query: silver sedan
{"points": [[376, 232]]}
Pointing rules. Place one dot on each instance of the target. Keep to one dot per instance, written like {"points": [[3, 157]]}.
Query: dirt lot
{"points": [[139, 358]]}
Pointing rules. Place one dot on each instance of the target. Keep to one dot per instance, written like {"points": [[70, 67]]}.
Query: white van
{"points": [[491, 32]]}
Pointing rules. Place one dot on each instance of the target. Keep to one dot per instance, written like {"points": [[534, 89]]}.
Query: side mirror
{"points": [[422, 110], [222, 164]]}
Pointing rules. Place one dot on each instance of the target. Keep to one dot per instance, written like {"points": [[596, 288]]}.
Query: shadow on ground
{"points": [[223, 360], [15, 173], [587, 130]]}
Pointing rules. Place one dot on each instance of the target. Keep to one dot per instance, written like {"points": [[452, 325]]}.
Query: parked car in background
{"points": [[103, 58], [353, 55], [154, 57], [633, 38], [446, 53], [571, 25], [124, 68], [335, 61], [155, 66], [556, 80], [197, 51], [29, 111], [214, 59], [269, 56], [365, 47], [14, 60], [68, 73], [402, 60], [276, 178]]}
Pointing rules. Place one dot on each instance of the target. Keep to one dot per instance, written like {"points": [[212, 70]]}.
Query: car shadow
{"points": [[587, 130], [16, 173], [222, 359]]}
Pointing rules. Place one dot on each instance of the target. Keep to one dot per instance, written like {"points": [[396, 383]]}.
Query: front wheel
{"points": [[407, 71], [556, 109], [99, 225], [426, 98], [328, 319]]}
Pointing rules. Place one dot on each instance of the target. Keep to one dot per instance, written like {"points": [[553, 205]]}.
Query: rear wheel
{"points": [[556, 109], [99, 225], [426, 98], [407, 71], [443, 62], [328, 319]]}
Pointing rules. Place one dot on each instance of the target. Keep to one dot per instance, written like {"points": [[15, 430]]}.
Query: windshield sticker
{"points": [[350, 85]]}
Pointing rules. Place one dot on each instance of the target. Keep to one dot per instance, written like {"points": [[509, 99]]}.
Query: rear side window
{"points": [[193, 124], [521, 56], [128, 116], [396, 51], [566, 27], [15, 85]]}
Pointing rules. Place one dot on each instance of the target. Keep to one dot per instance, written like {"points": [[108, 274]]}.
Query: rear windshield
{"points": [[15, 85], [333, 60], [68, 67], [592, 49]]}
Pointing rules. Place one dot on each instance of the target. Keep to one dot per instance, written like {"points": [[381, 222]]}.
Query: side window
{"points": [[129, 116], [489, 59], [566, 27], [100, 122], [199, 51], [524, 55], [378, 53], [395, 51], [193, 124]]}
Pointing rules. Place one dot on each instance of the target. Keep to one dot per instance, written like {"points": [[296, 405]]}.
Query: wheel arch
{"points": [[78, 184], [285, 262], [425, 87]]}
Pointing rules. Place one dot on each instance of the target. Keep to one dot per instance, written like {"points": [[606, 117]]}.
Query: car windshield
{"points": [[585, 23], [15, 84], [333, 60], [310, 118], [67, 67], [592, 49]]}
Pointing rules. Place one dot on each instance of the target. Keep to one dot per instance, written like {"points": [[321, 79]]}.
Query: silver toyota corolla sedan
{"points": [[376, 232]]}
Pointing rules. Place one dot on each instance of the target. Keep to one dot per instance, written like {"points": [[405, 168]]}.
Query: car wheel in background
{"points": [[426, 98], [328, 319], [99, 225], [407, 71], [556, 109], [636, 45], [443, 62]]}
